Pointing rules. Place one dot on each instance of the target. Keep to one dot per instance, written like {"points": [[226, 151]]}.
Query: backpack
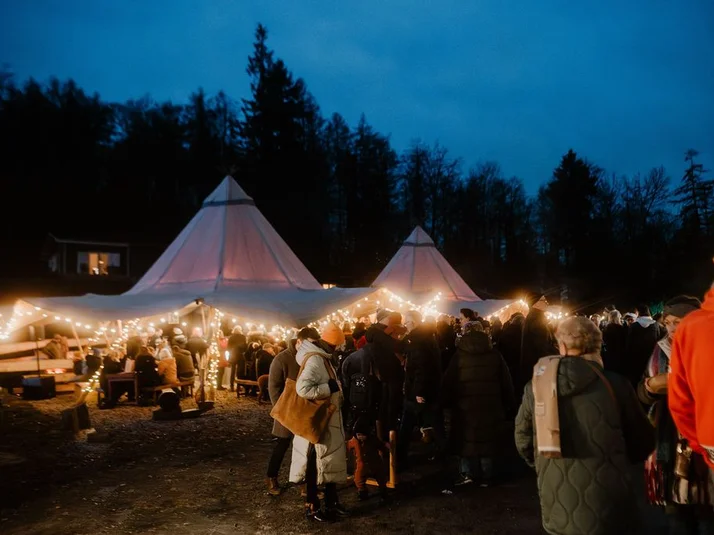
{"points": [[364, 387]]}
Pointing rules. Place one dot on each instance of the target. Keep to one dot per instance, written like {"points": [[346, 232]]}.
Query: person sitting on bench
{"points": [[263, 360], [146, 370], [114, 362], [168, 370], [184, 361]]}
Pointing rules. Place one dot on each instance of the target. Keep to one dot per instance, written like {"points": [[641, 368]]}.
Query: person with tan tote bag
{"points": [[323, 460]]}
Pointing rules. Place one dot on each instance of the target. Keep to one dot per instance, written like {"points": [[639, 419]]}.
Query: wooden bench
{"points": [[114, 378], [262, 391], [186, 386], [246, 383]]}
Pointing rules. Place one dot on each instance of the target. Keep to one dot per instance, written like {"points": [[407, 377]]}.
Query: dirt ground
{"points": [[206, 476]]}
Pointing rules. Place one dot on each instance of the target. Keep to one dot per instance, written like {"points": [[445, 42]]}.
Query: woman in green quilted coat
{"points": [[588, 490]]}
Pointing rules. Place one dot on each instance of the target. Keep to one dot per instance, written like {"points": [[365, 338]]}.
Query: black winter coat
{"points": [[423, 366], [478, 388], [237, 344], [384, 359], [641, 342], [614, 339], [537, 342]]}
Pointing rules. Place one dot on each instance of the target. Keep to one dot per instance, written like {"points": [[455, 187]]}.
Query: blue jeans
{"points": [[476, 467]]}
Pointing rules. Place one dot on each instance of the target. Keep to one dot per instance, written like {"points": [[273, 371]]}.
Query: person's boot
{"points": [[273, 487], [337, 511], [316, 514]]}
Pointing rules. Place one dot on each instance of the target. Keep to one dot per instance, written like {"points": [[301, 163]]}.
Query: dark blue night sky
{"points": [[629, 85]]}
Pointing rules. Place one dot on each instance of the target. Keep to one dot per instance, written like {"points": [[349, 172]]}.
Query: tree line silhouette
{"points": [[340, 195]]}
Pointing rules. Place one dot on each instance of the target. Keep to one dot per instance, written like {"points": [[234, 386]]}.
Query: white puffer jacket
{"points": [[330, 451]]}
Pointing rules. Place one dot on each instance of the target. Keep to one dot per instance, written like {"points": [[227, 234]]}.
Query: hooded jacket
{"points": [[588, 491], [477, 386], [331, 453], [691, 396], [386, 364]]}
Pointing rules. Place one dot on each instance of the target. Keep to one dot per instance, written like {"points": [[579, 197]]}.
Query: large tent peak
{"points": [[228, 192], [419, 271], [419, 237]]}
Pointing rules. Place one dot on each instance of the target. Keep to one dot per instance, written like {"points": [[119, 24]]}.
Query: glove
{"points": [[657, 384], [334, 387]]}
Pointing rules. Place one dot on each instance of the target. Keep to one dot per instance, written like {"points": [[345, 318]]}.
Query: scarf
{"points": [[545, 396]]}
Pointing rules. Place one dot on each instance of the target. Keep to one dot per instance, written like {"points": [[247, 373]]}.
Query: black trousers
{"points": [[234, 374], [311, 499], [390, 408], [276, 459]]}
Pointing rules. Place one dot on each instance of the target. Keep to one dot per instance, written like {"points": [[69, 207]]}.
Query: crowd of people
{"points": [[584, 399], [581, 399]]}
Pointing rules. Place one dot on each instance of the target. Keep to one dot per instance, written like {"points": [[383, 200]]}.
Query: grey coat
{"points": [[283, 367]]}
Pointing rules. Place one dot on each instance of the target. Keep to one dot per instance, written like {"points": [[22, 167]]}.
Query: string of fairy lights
{"points": [[212, 372], [115, 334]]}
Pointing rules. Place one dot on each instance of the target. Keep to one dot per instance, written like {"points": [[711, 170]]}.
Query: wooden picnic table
{"points": [[125, 377]]}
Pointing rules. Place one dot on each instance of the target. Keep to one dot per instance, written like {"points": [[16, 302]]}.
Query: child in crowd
{"points": [[371, 458]]}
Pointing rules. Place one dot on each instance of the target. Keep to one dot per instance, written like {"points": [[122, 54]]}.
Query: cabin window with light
{"points": [[96, 263]]}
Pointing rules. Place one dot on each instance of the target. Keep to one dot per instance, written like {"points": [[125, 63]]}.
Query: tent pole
{"points": [[203, 318], [213, 330], [37, 348], [76, 337]]}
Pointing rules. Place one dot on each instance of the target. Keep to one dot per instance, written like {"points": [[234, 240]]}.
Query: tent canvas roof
{"points": [[229, 256], [228, 243], [419, 271]]}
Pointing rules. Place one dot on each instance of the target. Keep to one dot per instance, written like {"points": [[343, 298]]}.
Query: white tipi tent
{"points": [[419, 272], [227, 244], [228, 256]]}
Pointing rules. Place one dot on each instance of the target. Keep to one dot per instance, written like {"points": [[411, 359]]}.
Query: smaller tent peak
{"points": [[419, 237], [228, 192]]}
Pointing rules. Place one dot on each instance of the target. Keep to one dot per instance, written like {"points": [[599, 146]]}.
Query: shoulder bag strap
{"points": [[607, 383], [328, 365]]}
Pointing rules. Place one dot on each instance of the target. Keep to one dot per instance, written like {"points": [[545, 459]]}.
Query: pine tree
{"points": [[283, 163], [694, 197]]}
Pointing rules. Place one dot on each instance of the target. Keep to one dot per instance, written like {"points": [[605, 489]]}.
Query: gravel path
{"points": [[206, 476]]}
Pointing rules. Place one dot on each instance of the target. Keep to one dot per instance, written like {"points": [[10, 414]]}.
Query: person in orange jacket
{"points": [[691, 396], [371, 458]]}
